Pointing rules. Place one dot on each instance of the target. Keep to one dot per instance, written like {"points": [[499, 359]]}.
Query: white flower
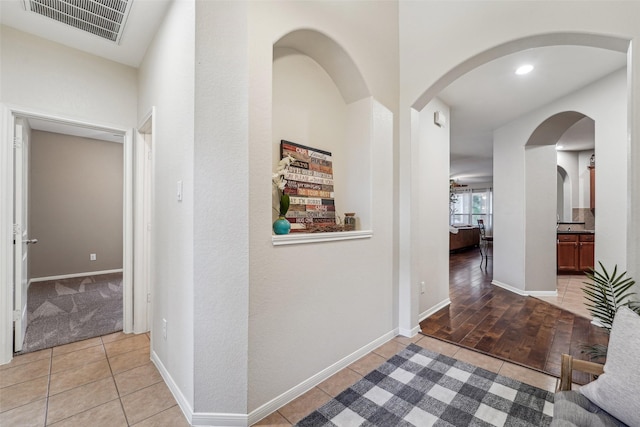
{"points": [[278, 177]]}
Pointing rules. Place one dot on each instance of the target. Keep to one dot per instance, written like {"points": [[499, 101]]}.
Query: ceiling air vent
{"points": [[104, 18]]}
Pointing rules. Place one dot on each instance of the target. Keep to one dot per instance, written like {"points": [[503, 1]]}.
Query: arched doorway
{"points": [[514, 225]]}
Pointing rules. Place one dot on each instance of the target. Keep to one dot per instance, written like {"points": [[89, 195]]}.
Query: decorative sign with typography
{"points": [[310, 187]]}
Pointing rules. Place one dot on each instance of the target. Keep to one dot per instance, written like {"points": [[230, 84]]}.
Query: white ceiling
{"points": [[492, 95], [142, 24], [144, 19], [481, 101]]}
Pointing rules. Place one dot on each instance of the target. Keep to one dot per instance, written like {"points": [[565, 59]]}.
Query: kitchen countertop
{"points": [[576, 232]]}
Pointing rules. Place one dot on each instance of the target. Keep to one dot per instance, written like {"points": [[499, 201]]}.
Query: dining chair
{"points": [[485, 240]]}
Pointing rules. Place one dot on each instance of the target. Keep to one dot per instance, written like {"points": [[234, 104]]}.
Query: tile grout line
{"points": [[115, 383], [46, 402]]}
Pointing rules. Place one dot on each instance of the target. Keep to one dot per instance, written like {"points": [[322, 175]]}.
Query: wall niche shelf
{"points": [[305, 238]]}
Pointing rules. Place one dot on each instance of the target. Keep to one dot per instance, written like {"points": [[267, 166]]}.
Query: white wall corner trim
{"points": [[286, 397], [543, 293], [184, 405], [524, 293], [409, 333], [219, 420], [432, 310], [509, 288]]}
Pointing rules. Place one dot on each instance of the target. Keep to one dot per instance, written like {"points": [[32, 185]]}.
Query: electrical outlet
{"points": [[423, 287], [164, 328], [92, 257]]}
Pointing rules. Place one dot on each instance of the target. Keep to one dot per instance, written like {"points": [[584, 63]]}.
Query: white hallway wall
{"points": [[77, 86], [480, 26], [568, 160], [346, 295], [166, 81], [432, 192], [238, 276], [605, 102], [584, 197]]}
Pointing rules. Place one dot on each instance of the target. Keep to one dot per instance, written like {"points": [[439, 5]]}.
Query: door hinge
{"points": [[16, 229], [17, 142], [16, 315], [149, 297], [149, 154]]}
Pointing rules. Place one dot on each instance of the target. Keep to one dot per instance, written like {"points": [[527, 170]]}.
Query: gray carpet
{"points": [[69, 310]]}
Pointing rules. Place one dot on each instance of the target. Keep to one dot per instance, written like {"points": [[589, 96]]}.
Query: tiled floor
{"points": [[570, 295], [316, 397], [110, 381], [105, 381]]}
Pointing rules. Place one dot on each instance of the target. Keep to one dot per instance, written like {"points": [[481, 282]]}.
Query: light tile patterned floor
{"points": [[570, 295], [106, 381]]}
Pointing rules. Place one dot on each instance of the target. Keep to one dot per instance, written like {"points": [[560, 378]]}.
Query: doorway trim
{"points": [[9, 113], [143, 184]]}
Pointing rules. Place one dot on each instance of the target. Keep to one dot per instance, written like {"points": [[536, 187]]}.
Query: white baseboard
{"points": [[524, 293], [433, 309], [509, 288], [286, 397], [543, 293], [409, 333], [70, 276], [243, 420], [184, 405], [219, 420]]}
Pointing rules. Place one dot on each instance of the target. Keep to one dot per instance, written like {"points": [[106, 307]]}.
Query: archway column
{"points": [[408, 218], [633, 177]]}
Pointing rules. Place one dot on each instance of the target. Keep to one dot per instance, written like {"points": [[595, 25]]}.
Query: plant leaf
{"points": [[284, 204], [606, 293]]}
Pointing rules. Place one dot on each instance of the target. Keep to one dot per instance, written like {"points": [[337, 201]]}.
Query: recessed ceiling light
{"points": [[559, 147], [524, 69]]}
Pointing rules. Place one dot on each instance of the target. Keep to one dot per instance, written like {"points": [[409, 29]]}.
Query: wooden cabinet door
{"points": [[586, 252], [567, 252], [586, 256]]}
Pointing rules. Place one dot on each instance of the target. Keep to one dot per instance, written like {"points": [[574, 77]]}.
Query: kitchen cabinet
{"points": [[575, 252], [567, 252]]}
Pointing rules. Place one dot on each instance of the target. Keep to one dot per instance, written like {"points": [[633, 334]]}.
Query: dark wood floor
{"points": [[491, 320]]}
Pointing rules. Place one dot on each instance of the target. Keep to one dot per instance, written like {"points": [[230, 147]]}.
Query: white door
{"points": [[21, 231]]}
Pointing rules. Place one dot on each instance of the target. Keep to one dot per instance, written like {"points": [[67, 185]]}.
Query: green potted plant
{"points": [[605, 294]]}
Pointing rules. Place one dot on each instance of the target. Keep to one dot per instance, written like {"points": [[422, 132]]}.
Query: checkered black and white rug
{"points": [[418, 387]]}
